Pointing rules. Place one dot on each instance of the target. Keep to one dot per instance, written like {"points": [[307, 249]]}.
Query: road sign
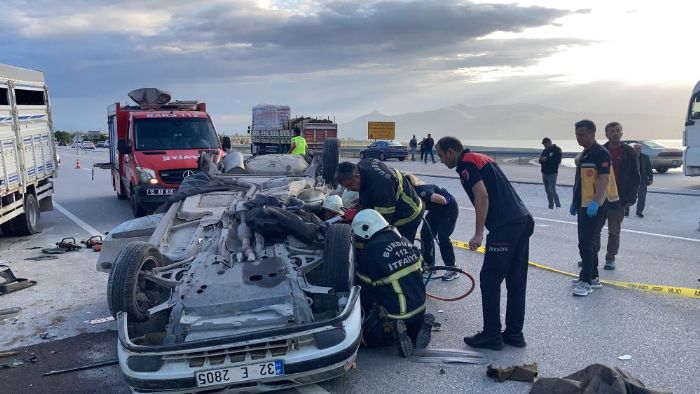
{"points": [[381, 130]]}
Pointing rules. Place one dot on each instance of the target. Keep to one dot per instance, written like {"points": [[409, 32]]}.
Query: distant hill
{"points": [[515, 121]]}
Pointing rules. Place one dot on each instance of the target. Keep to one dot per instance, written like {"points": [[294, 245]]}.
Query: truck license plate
{"points": [[240, 374], [160, 192]]}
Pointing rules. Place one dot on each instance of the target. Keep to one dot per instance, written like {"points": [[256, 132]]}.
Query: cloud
{"points": [[312, 54]]}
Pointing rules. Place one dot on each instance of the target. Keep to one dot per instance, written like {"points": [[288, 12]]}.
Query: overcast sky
{"points": [[348, 58]]}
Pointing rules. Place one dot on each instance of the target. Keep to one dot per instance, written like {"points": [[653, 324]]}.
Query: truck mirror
{"points": [[248, 129], [227, 143], [123, 148]]}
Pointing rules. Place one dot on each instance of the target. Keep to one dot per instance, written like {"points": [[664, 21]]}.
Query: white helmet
{"points": [[334, 204], [348, 197], [368, 222]]}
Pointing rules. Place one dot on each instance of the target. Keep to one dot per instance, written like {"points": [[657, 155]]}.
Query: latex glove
{"points": [[592, 209], [573, 210]]}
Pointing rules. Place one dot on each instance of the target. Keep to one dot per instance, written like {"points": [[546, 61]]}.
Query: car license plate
{"points": [[240, 374], [160, 192], [675, 163]]}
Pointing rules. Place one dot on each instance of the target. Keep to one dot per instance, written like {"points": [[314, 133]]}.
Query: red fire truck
{"points": [[155, 144]]}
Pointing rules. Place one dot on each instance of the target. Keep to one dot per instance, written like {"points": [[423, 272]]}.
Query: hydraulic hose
{"points": [[454, 269]]}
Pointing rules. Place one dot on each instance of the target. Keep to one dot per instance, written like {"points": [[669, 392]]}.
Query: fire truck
{"points": [[155, 144]]}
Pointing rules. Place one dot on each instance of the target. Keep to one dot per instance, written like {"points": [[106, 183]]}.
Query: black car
{"points": [[383, 150]]}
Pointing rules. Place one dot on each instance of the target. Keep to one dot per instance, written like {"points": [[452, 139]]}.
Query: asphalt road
{"points": [[564, 333]]}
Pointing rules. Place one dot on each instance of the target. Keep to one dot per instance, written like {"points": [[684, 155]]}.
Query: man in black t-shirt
{"points": [[429, 144], [500, 210]]}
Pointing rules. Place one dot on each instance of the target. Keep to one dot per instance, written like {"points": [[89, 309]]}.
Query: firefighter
{"points": [[393, 292], [385, 190], [298, 146]]}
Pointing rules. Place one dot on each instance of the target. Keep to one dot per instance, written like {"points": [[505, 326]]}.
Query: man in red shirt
{"points": [[625, 163]]}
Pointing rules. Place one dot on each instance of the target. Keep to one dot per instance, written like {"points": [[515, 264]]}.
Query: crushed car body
{"points": [[237, 284]]}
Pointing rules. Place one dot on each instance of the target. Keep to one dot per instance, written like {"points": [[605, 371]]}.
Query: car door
{"points": [[373, 150]]}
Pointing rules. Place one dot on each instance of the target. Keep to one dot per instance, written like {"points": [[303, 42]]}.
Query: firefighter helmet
{"points": [[367, 223], [334, 204]]}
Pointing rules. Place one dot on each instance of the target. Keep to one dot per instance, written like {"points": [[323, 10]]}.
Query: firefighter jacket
{"points": [[389, 270], [386, 191]]}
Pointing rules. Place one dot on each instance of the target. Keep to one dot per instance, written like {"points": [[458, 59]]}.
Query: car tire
{"points": [[382, 156], [137, 208], [120, 194], [338, 268], [26, 223], [662, 170], [330, 159], [125, 291], [401, 158]]}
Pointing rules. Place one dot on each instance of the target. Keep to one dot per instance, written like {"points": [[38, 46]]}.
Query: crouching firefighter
{"points": [[393, 292]]}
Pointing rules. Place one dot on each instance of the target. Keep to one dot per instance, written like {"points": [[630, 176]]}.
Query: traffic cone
{"points": [[77, 164]]}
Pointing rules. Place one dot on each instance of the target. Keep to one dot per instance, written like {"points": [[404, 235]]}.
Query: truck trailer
{"points": [[28, 161]]}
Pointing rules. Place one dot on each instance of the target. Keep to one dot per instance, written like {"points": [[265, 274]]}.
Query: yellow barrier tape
{"points": [[671, 290]]}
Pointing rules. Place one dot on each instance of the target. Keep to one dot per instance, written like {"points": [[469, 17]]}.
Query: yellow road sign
{"points": [[381, 130]]}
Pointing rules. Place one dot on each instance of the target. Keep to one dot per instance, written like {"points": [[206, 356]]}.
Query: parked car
{"points": [[103, 144], [88, 145], [383, 150], [77, 145], [662, 157]]}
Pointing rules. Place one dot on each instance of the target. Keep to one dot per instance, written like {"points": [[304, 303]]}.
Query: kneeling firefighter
{"points": [[393, 291]]}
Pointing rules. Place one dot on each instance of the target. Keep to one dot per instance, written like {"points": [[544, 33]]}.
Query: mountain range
{"points": [[514, 121]]}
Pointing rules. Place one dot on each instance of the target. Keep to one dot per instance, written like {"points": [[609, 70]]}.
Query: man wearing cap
{"points": [[393, 291]]}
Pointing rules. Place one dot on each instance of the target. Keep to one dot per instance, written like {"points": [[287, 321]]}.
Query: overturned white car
{"points": [[237, 285]]}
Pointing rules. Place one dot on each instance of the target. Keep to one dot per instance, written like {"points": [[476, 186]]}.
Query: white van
{"points": [[28, 160], [691, 135]]}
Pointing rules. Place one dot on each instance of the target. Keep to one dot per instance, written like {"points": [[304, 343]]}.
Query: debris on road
{"points": [[10, 311], [82, 367], [10, 283], [448, 356], [42, 257], [605, 379], [48, 335], [100, 320], [7, 354], [625, 357], [19, 362], [520, 373]]}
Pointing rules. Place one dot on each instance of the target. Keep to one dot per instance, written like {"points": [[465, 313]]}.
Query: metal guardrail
{"points": [[522, 154]]}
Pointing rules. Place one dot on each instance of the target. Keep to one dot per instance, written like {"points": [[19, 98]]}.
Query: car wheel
{"points": [[136, 207], [662, 170], [26, 223], [127, 289], [382, 156], [122, 194], [338, 268], [331, 157], [402, 158]]}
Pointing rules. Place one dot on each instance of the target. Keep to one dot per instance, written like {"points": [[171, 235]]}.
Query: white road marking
{"points": [[311, 389], [623, 230], [89, 229]]}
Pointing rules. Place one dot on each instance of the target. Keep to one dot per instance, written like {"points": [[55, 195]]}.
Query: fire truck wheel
{"points": [[136, 206], [26, 223]]}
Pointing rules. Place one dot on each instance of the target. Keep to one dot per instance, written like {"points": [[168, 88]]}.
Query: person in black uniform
{"points": [[550, 158], [442, 212], [499, 209], [393, 291], [385, 190]]}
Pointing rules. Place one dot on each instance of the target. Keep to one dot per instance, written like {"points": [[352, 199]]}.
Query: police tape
{"points": [[670, 290]]}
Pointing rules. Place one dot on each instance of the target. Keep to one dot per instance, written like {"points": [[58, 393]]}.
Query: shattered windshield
{"points": [[175, 133]]}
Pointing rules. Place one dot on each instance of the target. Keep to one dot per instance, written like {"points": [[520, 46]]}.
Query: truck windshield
{"points": [[175, 133]]}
